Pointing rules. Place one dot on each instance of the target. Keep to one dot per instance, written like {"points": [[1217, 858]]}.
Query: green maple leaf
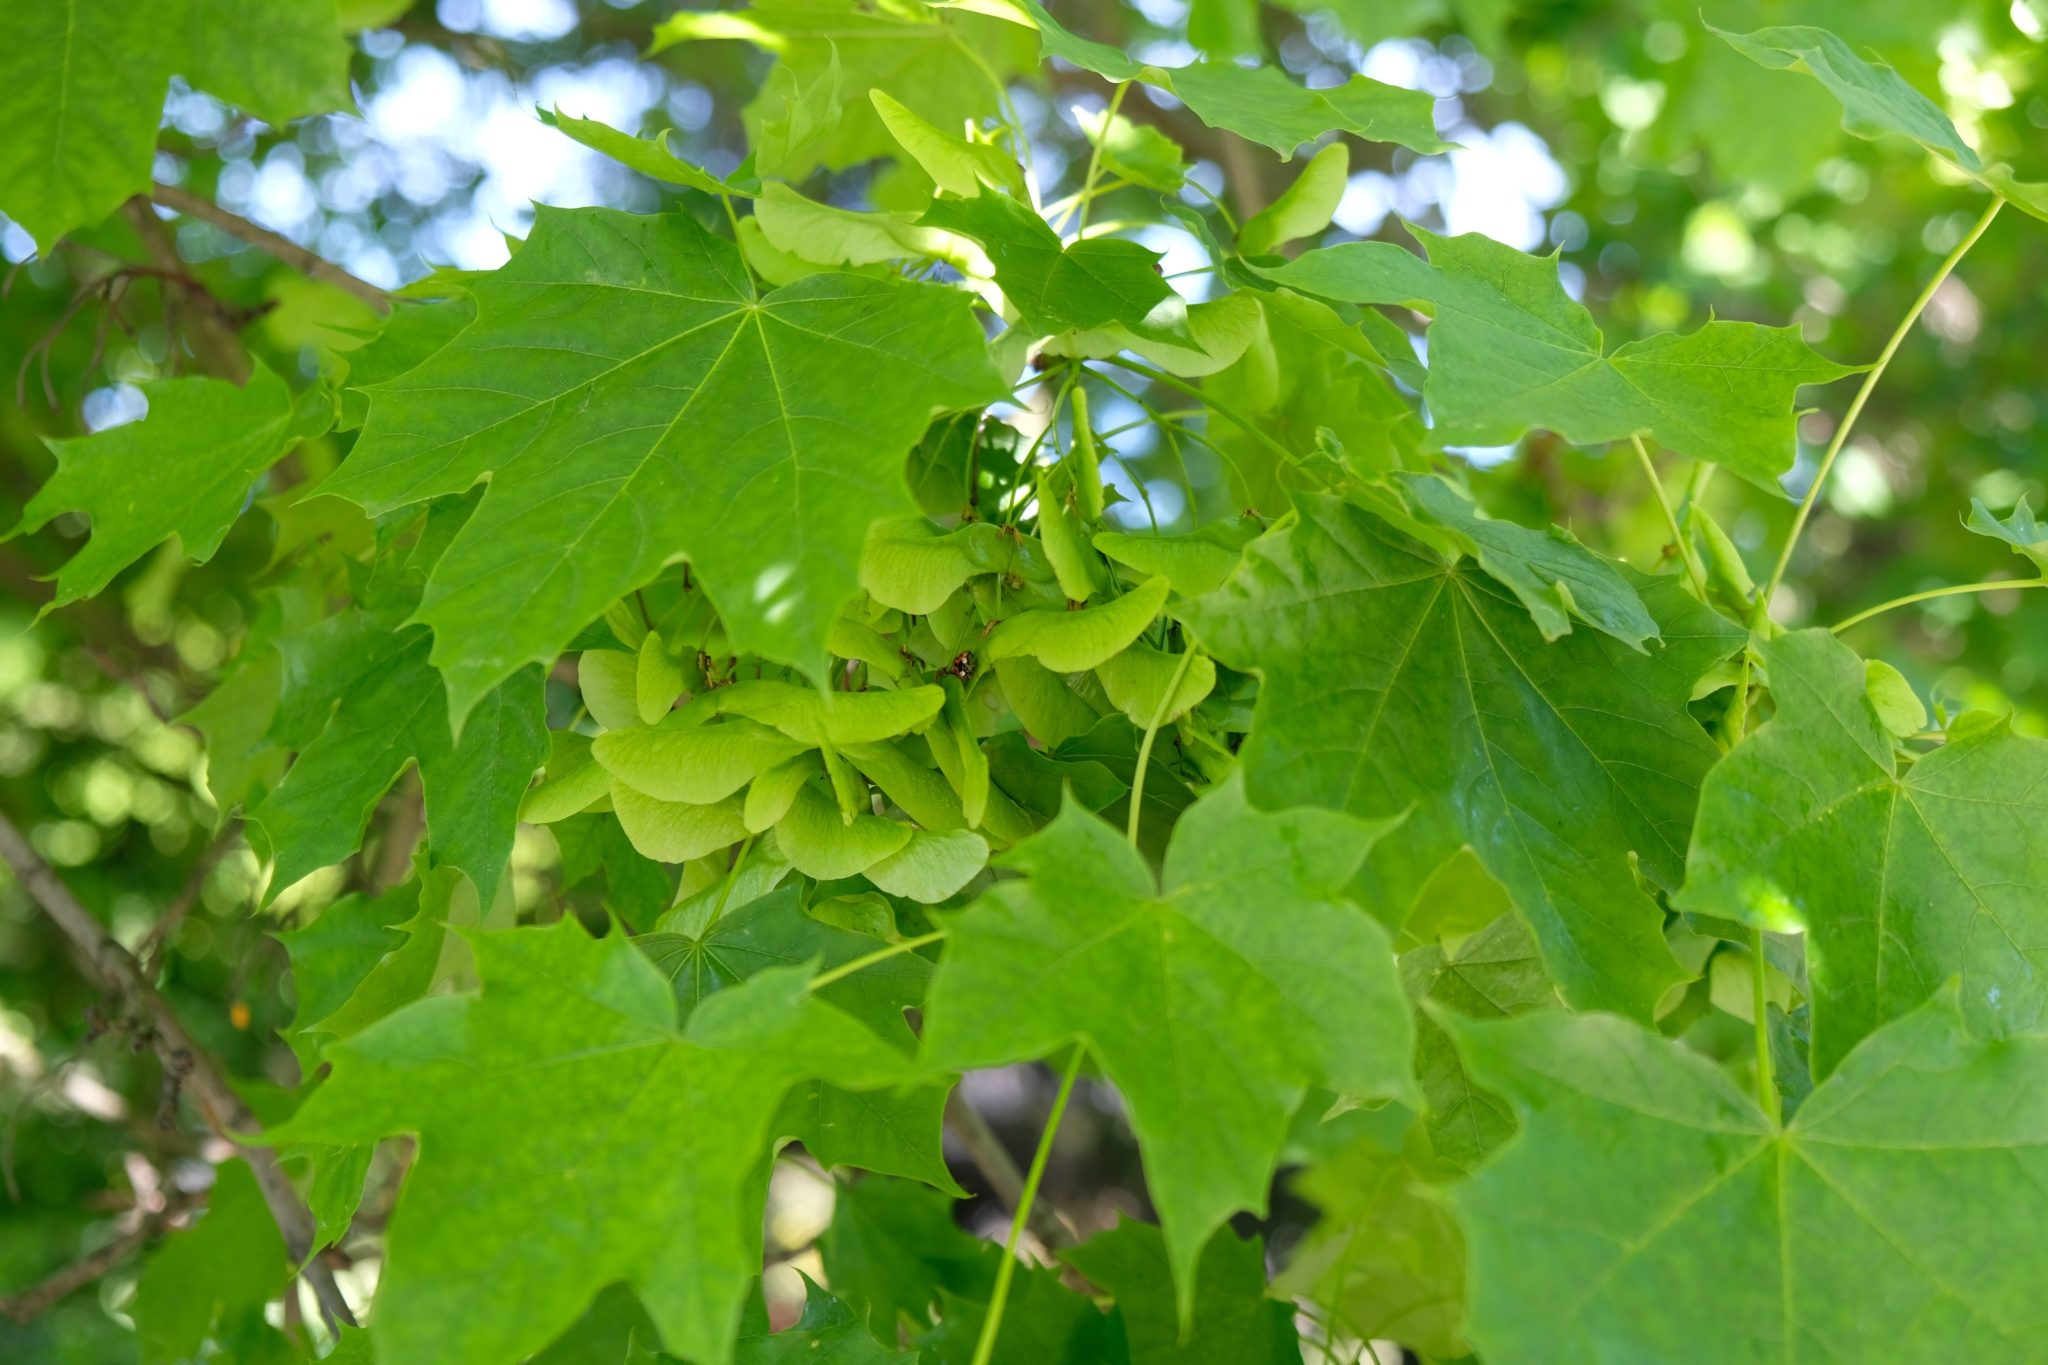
{"points": [[1650, 1211], [894, 1245], [2020, 530], [1213, 997], [632, 398], [571, 1135], [377, 707], [1138, 152], [82, 87], [183, 470], [946, 65], [1056, 288], [895, 1132], [413, 332], [1045, 1324], [1396, 682], [1901, 875], [333, 955], [1510, 352], [213, 1279], [1262, 104], [1385, 1258], [1235, 1322], [1555, 576], [1259, 103], [1877, 101], [651, 157], [830, 1332], [1495, 974], [1314, 372]]}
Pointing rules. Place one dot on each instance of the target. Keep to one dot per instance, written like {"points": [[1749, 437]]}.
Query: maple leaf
{"points": [[1212, 997], [379, 708], [1510, 351], [1397, 682], [1896, 1211], [571, 1135], [82, 86], [1901, 875], [183, 471], [633, 398], [894, 1132], [1235, 1322]]}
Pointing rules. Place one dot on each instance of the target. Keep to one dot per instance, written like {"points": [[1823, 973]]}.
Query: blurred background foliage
{"points": [[1677, 181]]}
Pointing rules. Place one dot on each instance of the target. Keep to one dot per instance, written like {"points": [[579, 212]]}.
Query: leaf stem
{"points": [[1165, 424], [739, 243], [1010, 505], [1989, 585], [1116, 101], [1158, 376], [1679, 542], [1766, 1083], [732, 877], [846, 969], [993, 1323], [1884, 358], [1229, 220], [1060, 207], [1152, 733]]}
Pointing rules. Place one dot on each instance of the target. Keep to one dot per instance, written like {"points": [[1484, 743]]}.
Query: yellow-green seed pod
{"points": [[1087, 465], [1065, 544]]}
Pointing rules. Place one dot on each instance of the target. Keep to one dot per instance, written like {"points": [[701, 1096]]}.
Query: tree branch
{"points": [[987, 1152], [116, 970], [263, 239], [214, 342], [63, 1283]]}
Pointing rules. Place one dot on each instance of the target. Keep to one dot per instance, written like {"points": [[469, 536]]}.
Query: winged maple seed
{"points": [[807, 820]]}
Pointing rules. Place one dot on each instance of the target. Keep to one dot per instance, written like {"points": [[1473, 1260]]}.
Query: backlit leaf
{"points": [[185, 470], [1901, 875], [1510, 351]]}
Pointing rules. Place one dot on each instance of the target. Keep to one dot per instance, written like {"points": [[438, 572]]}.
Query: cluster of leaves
{"points": [[766, 552]]}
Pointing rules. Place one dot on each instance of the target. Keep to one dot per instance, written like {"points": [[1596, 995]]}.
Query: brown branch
{"points": [[213, 340], [117, 972], [402, 827], [263, 239], [62, 1284], [986, 1150]]}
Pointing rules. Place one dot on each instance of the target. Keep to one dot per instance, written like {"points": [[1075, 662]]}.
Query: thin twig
{"points": [[992, 1325], [1953, 590], [402, 826], [985, 1148], [63, 1283], [263, 239], [212, 336], [1870, 378], [117, 972], [158, 941]]}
